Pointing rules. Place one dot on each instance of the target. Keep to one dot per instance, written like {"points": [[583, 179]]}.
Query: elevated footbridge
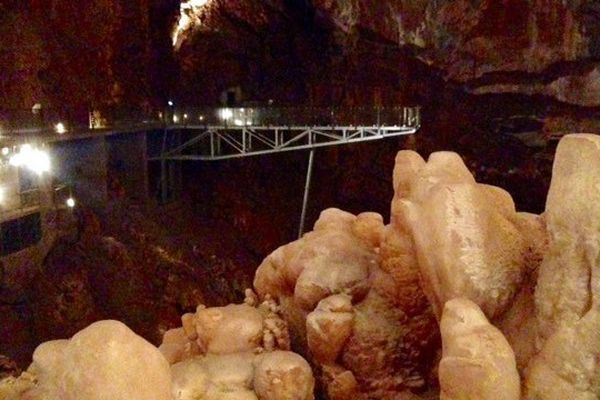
{"points": [[209, 134], [226, 133], [177, 134]]}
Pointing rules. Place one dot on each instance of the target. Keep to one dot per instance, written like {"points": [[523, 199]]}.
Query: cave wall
{"points": [[78, 55]]}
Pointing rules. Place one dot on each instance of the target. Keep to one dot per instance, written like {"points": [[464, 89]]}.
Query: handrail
{"points": [[66, 122]]}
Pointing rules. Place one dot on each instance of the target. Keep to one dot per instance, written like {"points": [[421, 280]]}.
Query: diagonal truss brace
{"points": [[226, 142]]}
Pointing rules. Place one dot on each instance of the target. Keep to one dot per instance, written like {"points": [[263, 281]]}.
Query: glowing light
{"points": [[189, 15], [185, 116], [70, 202], [175, 118], [201, 118], [238, 122], [170, 103], [5, 151], [36, 160], [226, 113], [2, 196], [60, 128]]}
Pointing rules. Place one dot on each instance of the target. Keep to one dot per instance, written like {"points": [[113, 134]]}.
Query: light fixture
{"points": [[201, 118], [60, 128], [238, 122], [185, 116], [34, 159], [226, 114], [70, 202], [175, 118], [170, 103], [5, 151]]}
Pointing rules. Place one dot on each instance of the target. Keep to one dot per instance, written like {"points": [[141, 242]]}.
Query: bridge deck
{"points": [[216, 133]]}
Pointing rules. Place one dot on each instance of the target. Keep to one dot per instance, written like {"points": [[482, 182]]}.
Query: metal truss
{"points": [[226, 142]]}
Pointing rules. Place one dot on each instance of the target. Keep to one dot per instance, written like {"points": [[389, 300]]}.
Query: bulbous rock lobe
{"points": [[568, 287], [477, 361], [104, 361]]}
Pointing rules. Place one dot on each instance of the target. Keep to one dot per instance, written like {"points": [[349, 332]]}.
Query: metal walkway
{"points": [[246, 132], [210, 134]]}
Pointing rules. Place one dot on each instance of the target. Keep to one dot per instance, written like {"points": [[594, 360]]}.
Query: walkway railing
{"points": [[44, 123], [293, 116]]}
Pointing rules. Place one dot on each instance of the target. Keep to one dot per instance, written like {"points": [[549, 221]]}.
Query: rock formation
{"points": [[461, 247], [469, 239], [477, 361], [568, 287], [368, 333], [103, 361], [237, 352]]}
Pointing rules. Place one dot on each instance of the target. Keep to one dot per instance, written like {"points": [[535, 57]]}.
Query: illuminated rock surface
{"points": [[359, 327], [469, 239], [104, 361], [237, 352], [568, 286], [477, 361]]}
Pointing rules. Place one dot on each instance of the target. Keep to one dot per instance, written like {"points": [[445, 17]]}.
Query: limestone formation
{"points": [[104, 361], [469, 240], [365, 333], [237, 352], [477, 361], [568, 287]]}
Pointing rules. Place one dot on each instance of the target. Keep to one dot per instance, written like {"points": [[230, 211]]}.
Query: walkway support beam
{"points": [[309, 169]]}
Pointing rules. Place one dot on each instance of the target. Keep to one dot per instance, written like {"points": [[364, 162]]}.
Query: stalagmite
{"points": [[469, 240], [568, 287], [105, 361], [477, 361]]}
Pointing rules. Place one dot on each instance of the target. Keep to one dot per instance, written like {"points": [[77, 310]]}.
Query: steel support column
{"points": [[306, 192], [164, 185]]}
